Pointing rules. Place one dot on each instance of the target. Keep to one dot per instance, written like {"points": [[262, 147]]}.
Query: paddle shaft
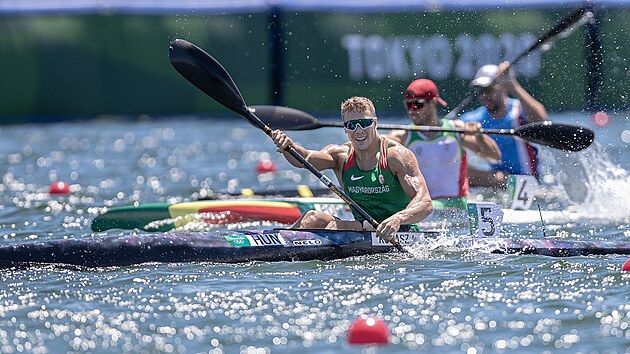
{"points": [[426, 128], [556, 135], [556, 30]]}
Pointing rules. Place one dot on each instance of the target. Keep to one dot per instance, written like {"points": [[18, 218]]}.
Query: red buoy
{"points": [[266, 166], [368, 330], [59, 187], [600, 119], [626, 266]]}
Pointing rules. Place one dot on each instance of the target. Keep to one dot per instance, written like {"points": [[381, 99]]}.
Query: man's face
{"points": [[361, 129], [492, 97], [419, 110]]}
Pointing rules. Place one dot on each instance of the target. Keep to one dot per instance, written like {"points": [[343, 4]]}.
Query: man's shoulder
{"points": [[337, 151], [337, 147], [398, 135], [392, 145], [474, 116], [398, 154]]}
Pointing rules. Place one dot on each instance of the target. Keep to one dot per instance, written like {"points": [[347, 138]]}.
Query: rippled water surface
{"points": [[444, 299]]}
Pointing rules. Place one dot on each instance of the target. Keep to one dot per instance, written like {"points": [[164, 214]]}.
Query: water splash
{"points": [[592, 184]]}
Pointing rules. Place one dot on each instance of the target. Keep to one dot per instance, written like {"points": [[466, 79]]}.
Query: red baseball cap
{"points": [[423, 89]]}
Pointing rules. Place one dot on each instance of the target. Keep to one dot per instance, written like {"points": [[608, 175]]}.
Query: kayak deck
{"points": [[164, 217], [227, 246], [220, 247]]}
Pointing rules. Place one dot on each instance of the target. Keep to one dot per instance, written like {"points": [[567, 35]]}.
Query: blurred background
{"points": [[130, 130], [81, 59]]}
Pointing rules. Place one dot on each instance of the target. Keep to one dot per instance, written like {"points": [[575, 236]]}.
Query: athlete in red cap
{"points": [[441, 155]]}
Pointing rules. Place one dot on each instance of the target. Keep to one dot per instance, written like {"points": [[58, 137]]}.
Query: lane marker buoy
{"points": [[266, 166], [59, 187], [369, 330]]}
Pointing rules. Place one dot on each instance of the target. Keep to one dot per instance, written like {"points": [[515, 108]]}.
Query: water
{"points": [[444, 299]]}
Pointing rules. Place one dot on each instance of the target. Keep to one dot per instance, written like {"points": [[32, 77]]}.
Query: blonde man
{"points": [[378, 174]]}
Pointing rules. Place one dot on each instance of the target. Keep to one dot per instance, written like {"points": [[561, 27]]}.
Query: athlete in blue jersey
{"points": [[499, 111]]}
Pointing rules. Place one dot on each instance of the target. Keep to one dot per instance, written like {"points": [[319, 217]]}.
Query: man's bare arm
{"points": [[398, 136], [320, 159], [404, 165], [534, 110], [481, 144]]}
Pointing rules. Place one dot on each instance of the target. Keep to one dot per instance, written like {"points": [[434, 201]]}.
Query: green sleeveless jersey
{"points": [[377, 191]]}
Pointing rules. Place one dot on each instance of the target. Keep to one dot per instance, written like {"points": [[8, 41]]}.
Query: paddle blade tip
{"points": [[180, 51], [582, 139], [207, 74], [178, 44], [561, 136]]}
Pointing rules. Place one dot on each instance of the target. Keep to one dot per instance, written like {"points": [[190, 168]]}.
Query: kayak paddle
{"points": [[208, 75], [564, 25], [556, 135]]}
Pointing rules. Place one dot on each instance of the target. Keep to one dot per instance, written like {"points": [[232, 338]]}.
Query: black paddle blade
{"points": [[557, 135], [285, 118], [566, 23], [207, 74]]}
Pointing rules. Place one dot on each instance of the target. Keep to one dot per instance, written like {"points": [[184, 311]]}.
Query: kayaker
{"points": [[378, 174], [442, 156], [499, 111]]}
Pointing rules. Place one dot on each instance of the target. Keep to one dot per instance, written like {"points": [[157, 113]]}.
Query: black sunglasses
{"points": [[363, 123], [415, 105]]}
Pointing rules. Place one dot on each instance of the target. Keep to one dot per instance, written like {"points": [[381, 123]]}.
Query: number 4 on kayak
{"points": [[521, 189]]}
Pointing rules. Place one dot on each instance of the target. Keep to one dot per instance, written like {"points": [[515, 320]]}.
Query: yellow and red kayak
{"points": [[285, 211]]}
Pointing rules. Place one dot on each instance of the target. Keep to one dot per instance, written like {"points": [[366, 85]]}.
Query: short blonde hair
{"points": [[358, 104]]}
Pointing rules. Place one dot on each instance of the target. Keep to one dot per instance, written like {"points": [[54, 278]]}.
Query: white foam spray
{"points": [[591, 183]]}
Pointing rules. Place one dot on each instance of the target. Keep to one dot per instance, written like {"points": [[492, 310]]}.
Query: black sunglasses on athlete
{"points": [[415, 105], [363, 123]]}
